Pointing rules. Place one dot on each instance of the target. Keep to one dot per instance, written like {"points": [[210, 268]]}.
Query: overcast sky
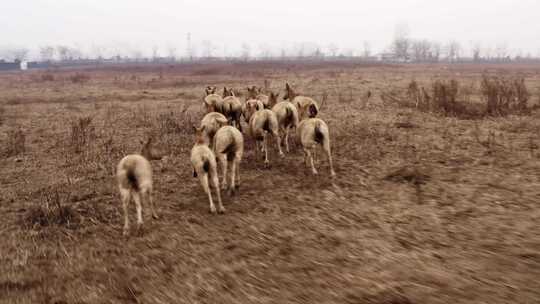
{"points": [[133, 24]]}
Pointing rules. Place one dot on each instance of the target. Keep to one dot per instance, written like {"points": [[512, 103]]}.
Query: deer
{"points": [[134, 178], [229, 149], [307, 106], [204, 166], [287, 116], [314, 132]]}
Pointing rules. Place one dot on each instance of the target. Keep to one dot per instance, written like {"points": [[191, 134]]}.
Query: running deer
{"points": [[262, 123], [313, 132], [256, 93], [204, 165], [287, 116], [229, 149], [212, 102], [211, 123], [307, 107], [232, 108], [134, 177]]}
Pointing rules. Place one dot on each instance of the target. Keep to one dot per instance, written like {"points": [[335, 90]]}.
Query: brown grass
{"points": [[426, 207], [82, 133], [79, 78], [16, 142], [53, 210]]}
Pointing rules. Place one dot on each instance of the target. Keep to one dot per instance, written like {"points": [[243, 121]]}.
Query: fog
{"points": [[128, 26]]}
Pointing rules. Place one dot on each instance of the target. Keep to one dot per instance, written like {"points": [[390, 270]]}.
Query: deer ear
{"points": [[313, 110], [287, 86]]}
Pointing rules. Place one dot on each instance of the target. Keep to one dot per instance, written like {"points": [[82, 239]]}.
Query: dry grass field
{"points": [[425, 208]]}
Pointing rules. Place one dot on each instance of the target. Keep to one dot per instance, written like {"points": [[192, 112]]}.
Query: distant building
{"points": [[9, 66], [386, 57]]}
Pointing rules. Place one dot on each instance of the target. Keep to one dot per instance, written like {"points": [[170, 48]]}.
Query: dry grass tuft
{"points": [[504, 95], [82, 133], [345, 95], [80, 78], [445, 97], [53, 210], [168, 124], [47, 77], [16, 142], [408, 174], [2, 112]]}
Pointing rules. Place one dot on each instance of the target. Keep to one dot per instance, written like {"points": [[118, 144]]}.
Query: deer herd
{"points": [[219, 140]]}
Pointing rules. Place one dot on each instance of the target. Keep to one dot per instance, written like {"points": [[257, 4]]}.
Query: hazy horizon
{"points": [[126, 27]]}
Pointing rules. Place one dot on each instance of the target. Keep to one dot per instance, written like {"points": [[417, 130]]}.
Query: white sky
{"points": [[134, 24]]}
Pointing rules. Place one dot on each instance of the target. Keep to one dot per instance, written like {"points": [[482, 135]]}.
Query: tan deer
{"points": [[312, 133], [134, 177], [204, 165], [211, 123], [287, 116], [229, 149], [256, 93], [262, 123], [307, 106], [250, 107], [232, 108], [212, 102]]}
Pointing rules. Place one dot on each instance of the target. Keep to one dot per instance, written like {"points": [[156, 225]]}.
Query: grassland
{"points": [[426, 208]]}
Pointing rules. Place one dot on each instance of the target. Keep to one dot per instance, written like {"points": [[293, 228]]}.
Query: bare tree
{"points": [[208, 48], [155, 52], [366, 52], [172, 52], [501, 51], [264, 51], [333, 49], [246, 51], [137, 55], [98, 51], [435, 51], [318, 53], [401, 44], [416, 47], [453, 49], [300, 50], [63, 52], [19, 54], [476, 50], [46, 53]]}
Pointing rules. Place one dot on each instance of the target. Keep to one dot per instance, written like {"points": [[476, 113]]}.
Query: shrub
{"points": [[444, 97], [503, 95]]}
